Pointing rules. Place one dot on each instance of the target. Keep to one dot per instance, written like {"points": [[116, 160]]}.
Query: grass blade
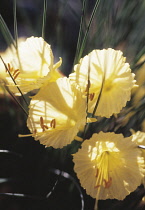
{"points": [[6, 33], [15, 23], [14, 83], [87, 30], [44, 18], [80, 32]]}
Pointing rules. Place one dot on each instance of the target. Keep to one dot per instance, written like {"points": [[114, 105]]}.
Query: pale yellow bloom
{"points": [[57, 113], [139, 139], [32, 65], [105, 66], [109, 166]]}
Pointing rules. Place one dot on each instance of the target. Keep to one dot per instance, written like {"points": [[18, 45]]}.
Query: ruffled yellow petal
{"points": [[109, 166], [105, 66], [57, 113]]}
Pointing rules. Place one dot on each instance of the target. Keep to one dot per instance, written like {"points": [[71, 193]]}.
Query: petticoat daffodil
{"points": [[57, 112], [32, 65], [109, 166], [105, 69], [139, 139]]}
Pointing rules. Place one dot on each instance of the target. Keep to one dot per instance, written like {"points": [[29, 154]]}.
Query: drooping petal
{"points": [[57, 113]]}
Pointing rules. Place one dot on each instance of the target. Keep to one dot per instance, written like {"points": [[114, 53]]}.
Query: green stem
{"points": [[15, 99], [99, 97]]}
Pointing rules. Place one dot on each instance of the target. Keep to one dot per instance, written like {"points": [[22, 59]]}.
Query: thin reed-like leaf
{"points": [[43, 30], [138, 56], [87, 30], [99, 96], [80, 32], [16, 31], [44, 18], [87, 101], [6, 33], [14, 81], [15, 99], [15, 23], [96, 105]]}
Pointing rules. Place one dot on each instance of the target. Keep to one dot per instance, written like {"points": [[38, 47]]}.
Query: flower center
{"points": [[108, 85], [102, 173]]}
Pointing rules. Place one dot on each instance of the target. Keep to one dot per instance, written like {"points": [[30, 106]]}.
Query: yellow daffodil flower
{"points": [[109, 166], [104, 71], [139, 139], [57, 113], [32, 66]]}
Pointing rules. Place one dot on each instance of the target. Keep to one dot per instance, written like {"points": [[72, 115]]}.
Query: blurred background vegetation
{"points": [[118, 24]]}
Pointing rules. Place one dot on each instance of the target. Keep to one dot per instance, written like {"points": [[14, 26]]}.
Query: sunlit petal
{"points": [[109, 166], [57, 113]]}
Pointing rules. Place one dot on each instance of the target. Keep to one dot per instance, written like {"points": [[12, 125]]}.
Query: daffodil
{"points": [[109, 166], [104, 73], [139, 139], [32, 65], [56, 113]]}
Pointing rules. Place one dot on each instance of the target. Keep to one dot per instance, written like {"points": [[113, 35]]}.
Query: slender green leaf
{"points": [[80, 32], [87, 30], [44, 18], [6, 33], [14, 83]]}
